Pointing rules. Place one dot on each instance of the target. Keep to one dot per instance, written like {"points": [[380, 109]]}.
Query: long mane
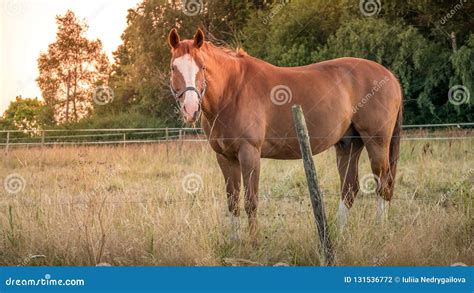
{"points": [[237, 52]]}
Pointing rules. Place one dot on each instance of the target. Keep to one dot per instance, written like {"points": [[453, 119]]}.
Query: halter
{"points": [[200, 95]]}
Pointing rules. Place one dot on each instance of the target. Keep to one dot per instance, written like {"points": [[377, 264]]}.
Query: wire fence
{"points": [[47, 137], [265, 200]]}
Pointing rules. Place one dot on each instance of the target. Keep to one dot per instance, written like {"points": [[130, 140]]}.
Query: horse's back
{"points": [[361, 89], [334, 95], [375, 95]]}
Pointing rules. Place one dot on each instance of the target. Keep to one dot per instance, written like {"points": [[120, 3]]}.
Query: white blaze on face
{"points": [[188, 68]]}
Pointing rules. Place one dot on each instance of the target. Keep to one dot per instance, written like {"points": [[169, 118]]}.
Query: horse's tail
{"points": [[395, 145]]}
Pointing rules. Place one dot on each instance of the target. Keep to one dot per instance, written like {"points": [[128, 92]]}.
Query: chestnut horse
{"points": [[246, 104]]}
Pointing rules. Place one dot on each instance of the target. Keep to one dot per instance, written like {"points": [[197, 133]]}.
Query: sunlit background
{"points": [[27, 27]]}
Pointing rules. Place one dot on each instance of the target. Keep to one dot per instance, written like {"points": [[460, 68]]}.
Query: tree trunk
{"points": [[453, 42], [74, 98], [68, 86]]}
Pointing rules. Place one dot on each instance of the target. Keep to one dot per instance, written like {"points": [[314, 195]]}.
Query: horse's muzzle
{"points": [[191, 114]]}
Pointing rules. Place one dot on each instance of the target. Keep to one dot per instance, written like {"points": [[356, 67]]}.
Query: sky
{"points": [[27, 27]]}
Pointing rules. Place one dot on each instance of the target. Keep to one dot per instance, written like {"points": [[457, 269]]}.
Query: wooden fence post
{"points": [[314, 191], [8, 142], [42, 138], [180, 136], [166, 143]]}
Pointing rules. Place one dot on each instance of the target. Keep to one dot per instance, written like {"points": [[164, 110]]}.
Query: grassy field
{"points": [[136, 205]]}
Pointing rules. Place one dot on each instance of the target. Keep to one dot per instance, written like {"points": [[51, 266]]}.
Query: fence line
{"points": [[105, 129], [177, 129], [168, 201], [458, 125], [113, 142], [10, 138]]}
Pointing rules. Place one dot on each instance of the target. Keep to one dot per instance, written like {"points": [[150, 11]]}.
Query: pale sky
{"points": [[27, 27]]}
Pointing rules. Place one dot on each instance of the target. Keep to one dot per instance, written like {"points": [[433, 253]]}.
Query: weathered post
{"points": [[166, 143], [42, 138], [180, 137], [314, 191], [124, 140], [7, 144]]}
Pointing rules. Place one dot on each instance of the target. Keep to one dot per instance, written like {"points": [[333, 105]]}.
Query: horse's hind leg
{"points": [[348, 152], [378, 150], [232, 176]]}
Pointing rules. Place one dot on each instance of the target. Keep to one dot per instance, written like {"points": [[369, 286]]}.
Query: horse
{"points": [[244, 106]]}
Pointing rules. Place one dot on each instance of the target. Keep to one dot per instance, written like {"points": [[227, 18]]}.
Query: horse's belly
{"points": [[289, 148], [281, 149]]}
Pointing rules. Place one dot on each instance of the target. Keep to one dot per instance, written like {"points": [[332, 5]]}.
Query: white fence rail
{"points": [[11, 138]]}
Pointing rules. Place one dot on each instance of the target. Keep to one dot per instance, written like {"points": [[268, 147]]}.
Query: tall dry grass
{"points": [[127, 206]]}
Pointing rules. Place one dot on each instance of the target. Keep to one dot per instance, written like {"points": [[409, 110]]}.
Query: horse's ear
{"points": [[173, 38], [199, 38]]}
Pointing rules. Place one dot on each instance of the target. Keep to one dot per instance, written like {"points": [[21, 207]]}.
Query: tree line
{"points": [[429, 45]]}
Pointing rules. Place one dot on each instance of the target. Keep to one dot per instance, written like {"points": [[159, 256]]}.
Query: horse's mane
{"points": [[224, 46], [237, 52], [233, 52]]}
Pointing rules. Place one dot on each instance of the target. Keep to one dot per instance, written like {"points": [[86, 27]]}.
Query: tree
{"points": [[26, 114], [411, 38], [463, 63], [285, 33], [71, 69]]}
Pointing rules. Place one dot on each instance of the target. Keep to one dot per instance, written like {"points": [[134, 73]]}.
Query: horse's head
{"points": [[188, 79]]}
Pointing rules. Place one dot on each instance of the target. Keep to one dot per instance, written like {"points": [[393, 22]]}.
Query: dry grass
{"points": [[127, 206]]}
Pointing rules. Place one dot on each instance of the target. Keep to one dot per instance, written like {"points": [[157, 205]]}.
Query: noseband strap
{"points": [[178, 94]]}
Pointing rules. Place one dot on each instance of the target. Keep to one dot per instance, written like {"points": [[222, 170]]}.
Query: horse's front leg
{"points": [[230, 168], [249, 158]]}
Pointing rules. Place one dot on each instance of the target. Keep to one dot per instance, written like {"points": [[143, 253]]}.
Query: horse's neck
{"points": [[223, 72]]}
